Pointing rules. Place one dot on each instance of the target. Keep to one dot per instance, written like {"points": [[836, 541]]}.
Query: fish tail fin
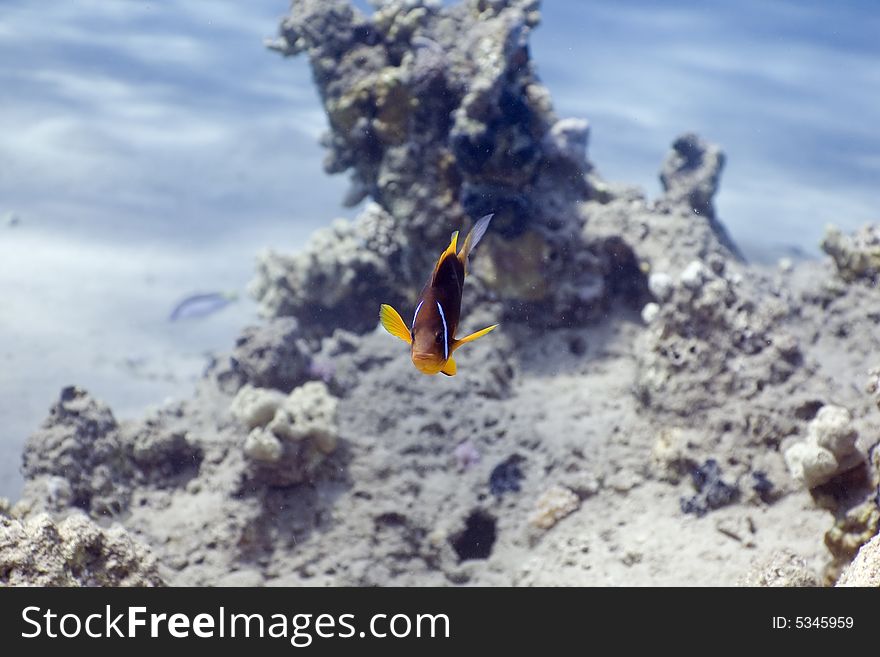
{"points": [[473, 238], [393, 323], [449, 369], [472, 337]]}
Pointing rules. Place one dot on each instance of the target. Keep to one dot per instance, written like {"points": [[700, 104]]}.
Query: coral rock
{"points": [[828, 449], [650, 312], [287, 446], [783, 568], [692, 170], [438, 115], [865, 568], [271, 355], [74, 552], [709, 319], [256, 407], [853, 530], [661, 285], [712, 491], [78, 451], [553, 505], [262, 445], [568, 139], [341, 277], [856, 256]]}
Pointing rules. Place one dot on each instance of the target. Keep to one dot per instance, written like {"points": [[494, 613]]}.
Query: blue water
{"points": [[790, 90], [150, 149]]}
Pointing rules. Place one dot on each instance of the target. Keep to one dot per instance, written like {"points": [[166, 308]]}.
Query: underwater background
{"points": [[149, 151]]}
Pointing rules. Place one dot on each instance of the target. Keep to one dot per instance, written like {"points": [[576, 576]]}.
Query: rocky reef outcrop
{"points": [[439, 116], [76, 458], [865, 568], [73, 552]]}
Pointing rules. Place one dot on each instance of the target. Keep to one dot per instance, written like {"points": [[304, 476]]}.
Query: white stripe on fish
{"points": [[445, 332]]}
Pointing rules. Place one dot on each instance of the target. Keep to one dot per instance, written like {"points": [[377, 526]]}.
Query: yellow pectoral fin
{"points": [[472, 337], [449, 369], [393, 323]]}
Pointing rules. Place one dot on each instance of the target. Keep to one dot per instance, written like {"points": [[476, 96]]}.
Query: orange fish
{"points": [[432, 337]]}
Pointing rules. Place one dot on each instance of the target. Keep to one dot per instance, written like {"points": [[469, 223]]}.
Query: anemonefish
{"points": [[432, 337]]}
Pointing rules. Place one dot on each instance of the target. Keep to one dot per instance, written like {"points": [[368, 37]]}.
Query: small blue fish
{"points": [[201, 305]]}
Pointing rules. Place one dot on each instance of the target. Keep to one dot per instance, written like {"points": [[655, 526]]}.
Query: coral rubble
{"points": [[73, 552], [781, 569], [865, 568], [829, 449]]}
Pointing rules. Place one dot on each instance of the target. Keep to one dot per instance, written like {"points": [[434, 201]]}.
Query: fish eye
{"points": [[438, 338]]}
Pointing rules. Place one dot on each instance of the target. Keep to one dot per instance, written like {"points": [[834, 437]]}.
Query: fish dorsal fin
{"points": [[449, 369], [473, 238], [473, 336], [450, 250], [393, 323]]}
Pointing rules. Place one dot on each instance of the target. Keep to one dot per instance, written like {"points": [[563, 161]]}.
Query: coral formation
{"points": [[857, 526], [255, 407], [553, 505], [706, 340], [829, 448], [856, 256], [712, 491], [73, 552], [82, 458], [342, 276], [439, 115], [691, 175], [76, 458], [289, 436], [865, 568], [781, 569], [272, 355]]}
